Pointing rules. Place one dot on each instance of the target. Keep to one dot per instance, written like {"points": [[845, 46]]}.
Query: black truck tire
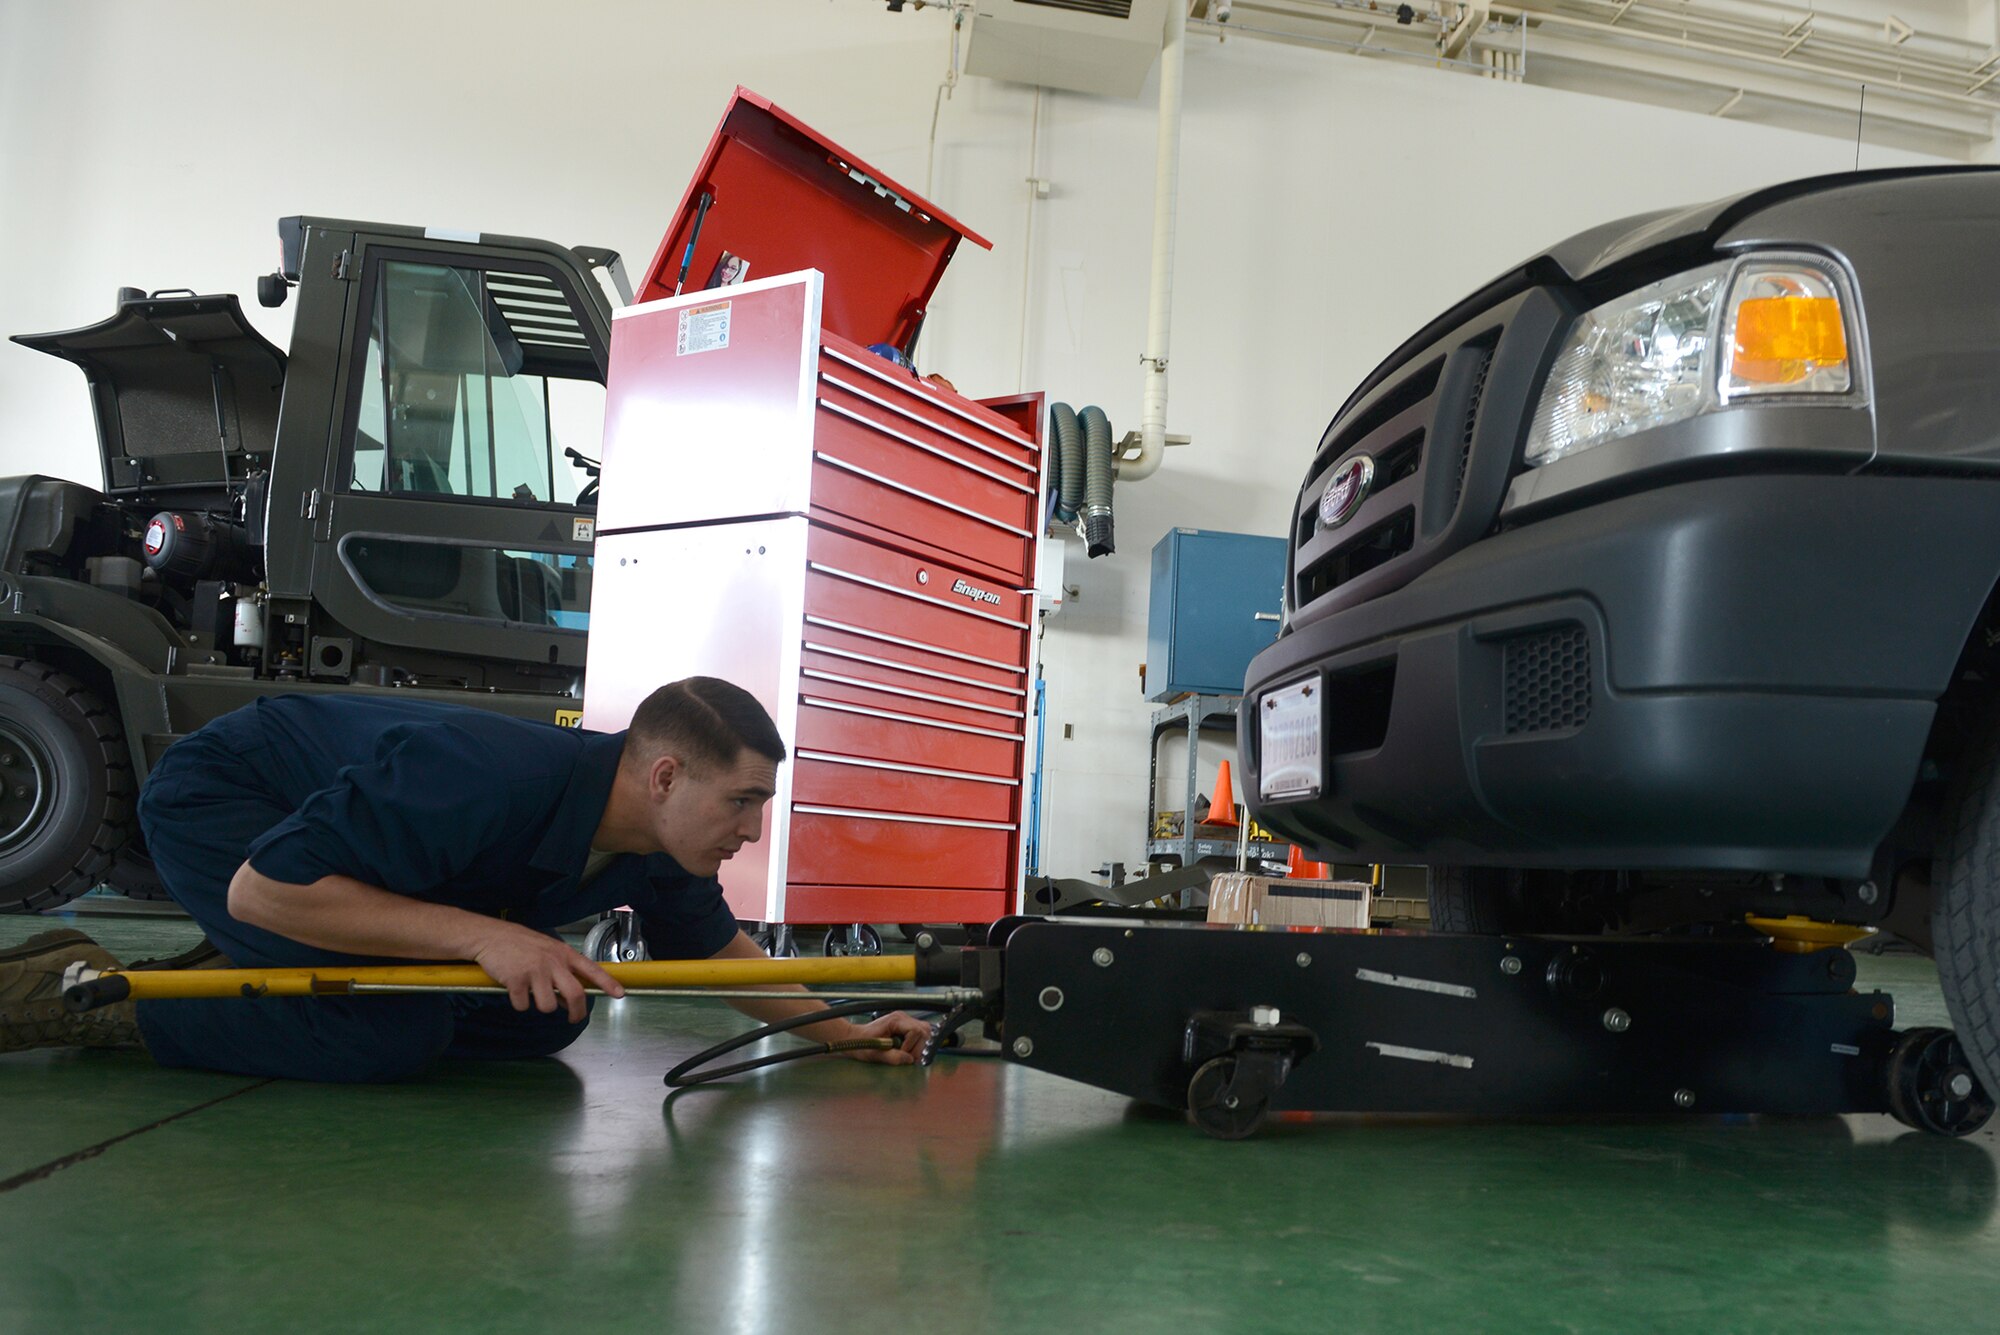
{"points": [[1468, 899], [66, 803], [1488, 901], [1965, 913]]}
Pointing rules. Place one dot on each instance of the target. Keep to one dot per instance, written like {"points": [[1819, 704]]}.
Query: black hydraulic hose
{"points": [[1067, 437], [678, 1078]]}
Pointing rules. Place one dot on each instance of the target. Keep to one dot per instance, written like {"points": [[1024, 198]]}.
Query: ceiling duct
{"points": [[1085, 46]]}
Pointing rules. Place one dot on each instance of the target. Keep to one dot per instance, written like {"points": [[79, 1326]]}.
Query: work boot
{"points": [[31, 1006]]}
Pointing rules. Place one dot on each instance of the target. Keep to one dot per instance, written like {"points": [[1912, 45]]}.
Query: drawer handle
{"points": [[818, 703], [925, 496], [1017, 669], [813, 646], [915, 444], [819, 674], [838, 573], [928, 397], [827, 758], [898, 816]]}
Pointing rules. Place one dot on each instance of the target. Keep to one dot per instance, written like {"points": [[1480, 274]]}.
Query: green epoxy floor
{"points": [[977, 1196]]}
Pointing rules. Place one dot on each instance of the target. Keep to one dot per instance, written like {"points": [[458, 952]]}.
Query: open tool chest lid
{"points": [[781, 197]]}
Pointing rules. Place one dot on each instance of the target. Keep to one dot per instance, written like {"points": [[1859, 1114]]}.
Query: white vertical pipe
{"points": [[1166, 192]]}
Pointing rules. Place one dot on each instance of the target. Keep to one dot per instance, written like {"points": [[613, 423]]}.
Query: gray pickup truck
{"points": [[1654, 585]]}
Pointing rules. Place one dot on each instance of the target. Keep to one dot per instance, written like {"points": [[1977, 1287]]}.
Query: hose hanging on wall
{"points": [[1068, 438], [1097, 481], [1084, 471]]}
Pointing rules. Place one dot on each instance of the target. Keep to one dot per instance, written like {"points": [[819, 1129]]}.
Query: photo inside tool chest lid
{"points": [[773, 196]]}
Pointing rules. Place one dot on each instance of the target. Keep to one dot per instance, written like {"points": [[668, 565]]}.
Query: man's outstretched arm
{"points": [[907, 1030], [341, 913]]}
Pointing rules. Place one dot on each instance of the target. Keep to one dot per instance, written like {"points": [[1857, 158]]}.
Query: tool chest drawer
{"points": [[945, 420], [885, 686], [831, 846], [863, 474], [918, 704], [877, 588], [827, 641], [856, 730], [826, 780]]}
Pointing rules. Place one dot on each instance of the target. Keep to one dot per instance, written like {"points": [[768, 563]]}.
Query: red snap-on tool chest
{"points": [[787, 509]]}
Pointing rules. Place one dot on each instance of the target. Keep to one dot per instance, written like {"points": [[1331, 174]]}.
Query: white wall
{"points": [[1329, 206]]}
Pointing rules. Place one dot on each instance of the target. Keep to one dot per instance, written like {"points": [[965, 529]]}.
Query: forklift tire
{"points": [[133, 875], [1965, 915], [65, 787]]}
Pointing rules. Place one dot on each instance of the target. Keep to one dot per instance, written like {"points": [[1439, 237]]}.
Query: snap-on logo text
{"points": [[977, 595]]}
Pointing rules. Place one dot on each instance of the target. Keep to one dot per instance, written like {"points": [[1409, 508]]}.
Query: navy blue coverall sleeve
{"points": [[431, 803]]}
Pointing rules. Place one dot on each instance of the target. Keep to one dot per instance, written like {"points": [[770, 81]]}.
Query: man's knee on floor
{"points": [[550, 1034], [490, 1029], [403, 1039]]}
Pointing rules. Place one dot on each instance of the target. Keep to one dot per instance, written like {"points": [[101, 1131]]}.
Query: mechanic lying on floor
{"points": [[306, 829]]}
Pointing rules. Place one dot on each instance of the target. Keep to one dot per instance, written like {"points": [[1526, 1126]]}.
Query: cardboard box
{"points": [[1238, 897]]}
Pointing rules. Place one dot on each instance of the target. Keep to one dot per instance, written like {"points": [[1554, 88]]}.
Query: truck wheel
{"points": [[1468, 899], [1487, 901], [65, 787], [1965, 915]]}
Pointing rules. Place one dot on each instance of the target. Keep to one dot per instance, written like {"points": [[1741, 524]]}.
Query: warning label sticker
{"points": [[703, 329], [583, 530], [569, 718]]}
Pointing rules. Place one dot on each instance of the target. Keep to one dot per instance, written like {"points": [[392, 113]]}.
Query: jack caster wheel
{"points": [[1932, 1086], [855, 939], [1211, 1107]]}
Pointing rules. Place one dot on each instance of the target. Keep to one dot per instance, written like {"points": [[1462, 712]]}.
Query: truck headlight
{"points": [[1692, 344]]}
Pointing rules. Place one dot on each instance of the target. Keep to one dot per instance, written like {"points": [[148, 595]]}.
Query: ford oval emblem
{"points": [[1343, 495]]}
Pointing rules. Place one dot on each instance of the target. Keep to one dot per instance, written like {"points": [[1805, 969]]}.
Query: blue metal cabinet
{"points": [[1214, 607]]}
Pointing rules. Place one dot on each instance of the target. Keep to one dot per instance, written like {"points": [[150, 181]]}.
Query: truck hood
{"points": [[1639, 245], [1590, 254], [183, 388]]}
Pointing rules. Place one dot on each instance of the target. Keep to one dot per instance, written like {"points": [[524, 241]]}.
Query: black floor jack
{"points": [[1235, 1024]]}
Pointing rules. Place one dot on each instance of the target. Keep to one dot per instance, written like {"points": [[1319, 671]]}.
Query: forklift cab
{"points": [[455, 511]]}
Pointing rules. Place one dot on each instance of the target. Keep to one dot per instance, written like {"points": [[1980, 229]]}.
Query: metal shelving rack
{"points": [[1195, 713]]}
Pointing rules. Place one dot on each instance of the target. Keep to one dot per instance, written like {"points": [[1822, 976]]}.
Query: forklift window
{"points": [[474, 383], [454, 579]]}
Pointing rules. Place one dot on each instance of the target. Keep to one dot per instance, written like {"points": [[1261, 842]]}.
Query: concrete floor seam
{"points": [[54, 1166]]}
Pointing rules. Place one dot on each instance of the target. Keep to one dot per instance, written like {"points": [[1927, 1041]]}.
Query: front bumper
{"points": [[1731, 673]]}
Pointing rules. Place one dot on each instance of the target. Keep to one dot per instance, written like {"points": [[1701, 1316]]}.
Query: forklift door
{"points": [[456, 523]]}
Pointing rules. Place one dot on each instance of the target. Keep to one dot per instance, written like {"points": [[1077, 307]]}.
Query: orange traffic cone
{"points": [[1222, 808], [1298, 869]]}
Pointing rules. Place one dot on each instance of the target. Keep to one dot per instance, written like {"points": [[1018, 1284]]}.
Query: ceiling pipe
{"points": [[1166, 192], [1471, 18]]}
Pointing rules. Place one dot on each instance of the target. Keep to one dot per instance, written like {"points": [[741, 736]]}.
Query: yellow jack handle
{"points": [[322, 980]]}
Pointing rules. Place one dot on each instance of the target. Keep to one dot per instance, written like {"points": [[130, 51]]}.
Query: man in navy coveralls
{"points": [[313, 829]]}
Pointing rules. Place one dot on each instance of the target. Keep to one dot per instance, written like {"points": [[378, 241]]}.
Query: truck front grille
{"points": [[1442, 429], [1546, 680]]}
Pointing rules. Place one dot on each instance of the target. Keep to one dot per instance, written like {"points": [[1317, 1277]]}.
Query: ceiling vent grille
{"points": [[1111, 9], [1106, 47]]}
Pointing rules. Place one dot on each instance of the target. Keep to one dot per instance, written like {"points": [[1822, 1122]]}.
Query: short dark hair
{"points": [[707, 722]]}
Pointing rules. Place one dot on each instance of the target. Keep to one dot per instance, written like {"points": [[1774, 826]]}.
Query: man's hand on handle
{"points": [[541, 971]]}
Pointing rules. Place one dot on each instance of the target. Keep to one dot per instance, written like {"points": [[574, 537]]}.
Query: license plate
{"points": [[1288, 742]]}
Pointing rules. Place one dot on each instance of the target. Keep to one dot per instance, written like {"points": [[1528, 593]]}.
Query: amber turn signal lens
{"points": [[1782, 340]]}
